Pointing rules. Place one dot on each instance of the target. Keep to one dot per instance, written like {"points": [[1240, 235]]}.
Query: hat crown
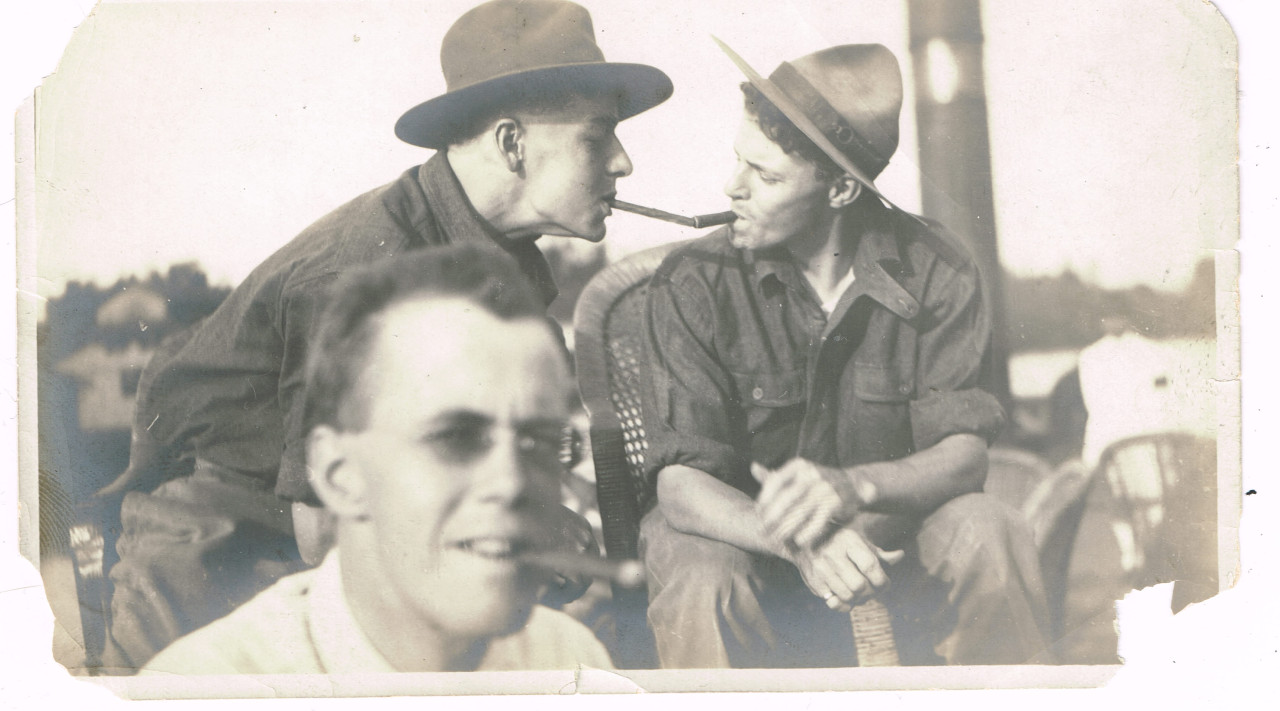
{"points": [[503, 50], [504, 37], [862, 83]]}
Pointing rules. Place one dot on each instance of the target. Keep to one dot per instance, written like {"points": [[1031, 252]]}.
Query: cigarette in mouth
{"points": [[697, 221], [627, 573]]}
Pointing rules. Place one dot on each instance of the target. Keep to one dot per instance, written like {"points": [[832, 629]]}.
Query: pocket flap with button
{"points": [[771, 389], [874, 383]]}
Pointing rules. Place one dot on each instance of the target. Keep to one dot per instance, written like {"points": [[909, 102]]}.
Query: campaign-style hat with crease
{"points": [[846, 99], [507, 46]]}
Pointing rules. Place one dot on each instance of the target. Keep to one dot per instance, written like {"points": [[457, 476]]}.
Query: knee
{"points": [[671, 556], [975, 529], [690, 568], [981, 514]]}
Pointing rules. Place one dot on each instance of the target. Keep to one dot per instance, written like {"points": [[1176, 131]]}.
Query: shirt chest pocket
{"points": [[875, 423], [771, 400], [876, 383], [771, 389]]}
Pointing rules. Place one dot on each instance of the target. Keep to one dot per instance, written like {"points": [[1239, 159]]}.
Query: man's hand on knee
{"points": [[846, 570]]}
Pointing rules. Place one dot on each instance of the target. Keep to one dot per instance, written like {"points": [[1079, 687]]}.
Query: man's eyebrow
{"points": [[455, 417], [756, 166], [471, 418]]}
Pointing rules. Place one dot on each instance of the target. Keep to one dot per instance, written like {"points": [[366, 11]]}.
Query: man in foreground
{"points": [[436, 396], [818, 432], [218, 492]]}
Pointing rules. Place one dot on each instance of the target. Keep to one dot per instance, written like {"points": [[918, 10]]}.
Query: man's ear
{"points": [[844, 190], [508, 136], [334, 476]]}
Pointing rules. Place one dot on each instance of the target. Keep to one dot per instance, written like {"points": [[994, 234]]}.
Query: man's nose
{"points": [[505, 474], [619, 162], [736, 188]]}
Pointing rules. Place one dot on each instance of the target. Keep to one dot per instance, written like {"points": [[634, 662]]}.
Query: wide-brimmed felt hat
{"points": [[508, 47], [846, 99]]}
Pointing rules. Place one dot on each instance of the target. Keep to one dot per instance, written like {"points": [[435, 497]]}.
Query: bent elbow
{"points": [[969, 462], [673, 499]]}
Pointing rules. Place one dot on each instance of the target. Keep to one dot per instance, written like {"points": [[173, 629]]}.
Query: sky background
{"points": [[215, 131]]}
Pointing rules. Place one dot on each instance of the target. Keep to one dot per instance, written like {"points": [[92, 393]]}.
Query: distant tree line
{"points": [[1048, 313], [71, 320], [1044, 312]]}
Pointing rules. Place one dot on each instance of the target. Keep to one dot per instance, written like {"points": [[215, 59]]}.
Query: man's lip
{"points": [[493, 547]]}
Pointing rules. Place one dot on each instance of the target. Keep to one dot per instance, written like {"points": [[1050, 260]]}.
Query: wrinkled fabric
{"points": [[191, 552], [231, 394], [745, 365], [968, 592]]}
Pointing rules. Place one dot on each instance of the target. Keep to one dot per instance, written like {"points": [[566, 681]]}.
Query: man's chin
{"points": [[593, 236], [492, 621], [591, 233], [740, 240]]}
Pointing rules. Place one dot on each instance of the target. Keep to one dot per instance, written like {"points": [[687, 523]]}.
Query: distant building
{"points": [[107, 377], [142, 306]]}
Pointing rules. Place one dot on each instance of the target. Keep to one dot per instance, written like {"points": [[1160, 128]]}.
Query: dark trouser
{"points": [[969, 592], [191, 552]]}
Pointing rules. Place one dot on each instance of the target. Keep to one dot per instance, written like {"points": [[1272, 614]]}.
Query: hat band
{"points": [[827, 119]]}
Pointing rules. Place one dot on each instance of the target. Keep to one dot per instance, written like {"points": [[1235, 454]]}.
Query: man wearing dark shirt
{"points": [[525, 147], [818, 433]]}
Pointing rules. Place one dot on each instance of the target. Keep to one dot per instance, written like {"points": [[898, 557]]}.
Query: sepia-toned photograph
{"points": [[721, 346]]}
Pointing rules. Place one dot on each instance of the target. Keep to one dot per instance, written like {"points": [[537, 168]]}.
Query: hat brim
{"points": [[802, 121], [433, 123]]}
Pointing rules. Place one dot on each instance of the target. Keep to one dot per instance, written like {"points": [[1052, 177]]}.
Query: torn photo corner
{"points": [[1086, 158]]}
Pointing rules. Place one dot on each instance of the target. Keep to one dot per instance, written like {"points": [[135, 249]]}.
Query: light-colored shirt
{"points": [[829, 306], [303, 625]]}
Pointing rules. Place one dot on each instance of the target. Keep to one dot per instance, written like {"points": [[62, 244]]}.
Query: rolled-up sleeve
{"points": [[690, 400], [953, 342]]}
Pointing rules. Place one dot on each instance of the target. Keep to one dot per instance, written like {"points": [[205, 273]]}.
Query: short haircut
{"points": [[537, 100], [775, 124], [350, 324]]}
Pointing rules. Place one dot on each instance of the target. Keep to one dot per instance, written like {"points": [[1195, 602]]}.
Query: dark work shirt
{"points": [[231, 392], [746, 366]]}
